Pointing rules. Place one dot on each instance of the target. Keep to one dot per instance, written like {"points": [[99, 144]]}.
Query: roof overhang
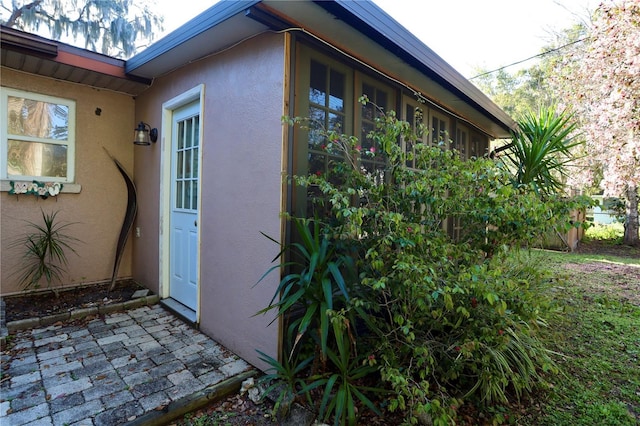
{"points": [[370, 35], [40, 56], [215, 29], [359, 28]]}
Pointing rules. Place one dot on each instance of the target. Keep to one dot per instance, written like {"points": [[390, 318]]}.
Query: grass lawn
{"points": [[596, 332]]}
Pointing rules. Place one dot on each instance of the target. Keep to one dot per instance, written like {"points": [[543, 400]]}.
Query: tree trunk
{"points": [[631, 226]]}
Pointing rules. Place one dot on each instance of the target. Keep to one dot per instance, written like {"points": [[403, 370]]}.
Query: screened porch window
{"points": [[460, 142], [430, 127], [380, 102], [327, 91], [439, 130], [478, 146], [414, 115]]}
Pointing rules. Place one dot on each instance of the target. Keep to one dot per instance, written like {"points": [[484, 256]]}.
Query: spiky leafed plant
{"points": [[541, 150], [45, 252]]}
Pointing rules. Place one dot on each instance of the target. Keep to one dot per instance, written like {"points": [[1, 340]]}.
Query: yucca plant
{"points": [[45, 252], [541, 150], [315, 284], [342, 387], [286, 379]]}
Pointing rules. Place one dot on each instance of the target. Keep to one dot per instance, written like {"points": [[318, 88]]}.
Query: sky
{"points": [[468, 34]]}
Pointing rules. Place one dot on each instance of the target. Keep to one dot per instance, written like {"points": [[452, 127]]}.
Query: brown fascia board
{"points": [[96, 62], [13, 39], [34, 45]]}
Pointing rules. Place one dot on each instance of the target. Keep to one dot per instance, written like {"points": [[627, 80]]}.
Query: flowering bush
{"points": [[442, 320]]}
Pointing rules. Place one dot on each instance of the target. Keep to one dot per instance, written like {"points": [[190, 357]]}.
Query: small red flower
{"points": [[409, 229], [474, 302], [358, 148], [457, 349], [318, 173], [501, 332], [323, 147]]}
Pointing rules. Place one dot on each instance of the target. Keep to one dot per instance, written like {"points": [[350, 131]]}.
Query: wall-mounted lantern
{"points": [[144, 134]]}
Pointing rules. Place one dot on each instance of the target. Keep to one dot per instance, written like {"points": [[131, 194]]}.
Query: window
{"points": [[380, 101], [38, 139], [439, 130], [187, 159], [478, 146], [414, 115], [460, 141], [327, 99]]}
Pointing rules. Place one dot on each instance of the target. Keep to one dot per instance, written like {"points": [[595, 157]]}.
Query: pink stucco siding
{"points": [[241, 181]]}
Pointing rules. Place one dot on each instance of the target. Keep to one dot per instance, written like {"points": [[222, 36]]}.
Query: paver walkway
{"points": [[109, 370]]}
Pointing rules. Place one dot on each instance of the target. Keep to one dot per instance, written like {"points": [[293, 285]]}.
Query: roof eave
{"points": [[48, 58], [142, 63], [225, 23], [372, 21]]}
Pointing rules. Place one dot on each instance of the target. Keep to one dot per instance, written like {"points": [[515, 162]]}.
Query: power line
{"points": [[529, 58]]}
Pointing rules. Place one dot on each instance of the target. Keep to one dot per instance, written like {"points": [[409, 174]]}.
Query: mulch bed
{"points": [[38, 305]]}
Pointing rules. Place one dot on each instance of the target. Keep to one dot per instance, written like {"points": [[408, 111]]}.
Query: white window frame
{"points": [[5, 136]]}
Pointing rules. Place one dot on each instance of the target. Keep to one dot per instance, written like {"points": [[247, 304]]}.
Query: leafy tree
{"points": [[518, 93], [591, 69], [112, 27], [601, 84], [533, 88]]}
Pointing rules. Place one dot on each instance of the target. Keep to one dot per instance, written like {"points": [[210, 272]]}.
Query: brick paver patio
{"points": [[108, 370]]}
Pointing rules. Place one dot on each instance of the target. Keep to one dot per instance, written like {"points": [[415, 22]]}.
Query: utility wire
{"points": [[529, 58]]}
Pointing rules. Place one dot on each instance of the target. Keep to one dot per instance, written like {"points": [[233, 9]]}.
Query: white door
{"points": [[183, 238]]}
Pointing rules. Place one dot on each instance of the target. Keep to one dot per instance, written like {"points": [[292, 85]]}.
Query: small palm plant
{"points": [[45, 252], [540, 150]]}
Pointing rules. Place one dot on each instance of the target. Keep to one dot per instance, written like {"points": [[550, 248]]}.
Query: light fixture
{"points": [[144, 134]]}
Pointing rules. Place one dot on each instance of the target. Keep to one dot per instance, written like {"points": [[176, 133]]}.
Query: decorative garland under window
{"points": [[41, 189]]}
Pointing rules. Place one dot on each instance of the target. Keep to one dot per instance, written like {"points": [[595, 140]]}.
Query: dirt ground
{"points": [[621, 281], [607, 248]]}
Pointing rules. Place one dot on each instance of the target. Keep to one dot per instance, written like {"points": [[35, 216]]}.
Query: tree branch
{"points": [[17, 13]]}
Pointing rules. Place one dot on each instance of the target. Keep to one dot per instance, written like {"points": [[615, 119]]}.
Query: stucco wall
{"points": [[241, 188], [99, 208]]}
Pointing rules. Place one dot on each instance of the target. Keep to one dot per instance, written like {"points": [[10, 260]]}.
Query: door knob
{"points": [[195, 223]]}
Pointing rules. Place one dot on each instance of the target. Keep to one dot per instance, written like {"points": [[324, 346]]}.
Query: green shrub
{"points": [[434, 320], [612, 233]]}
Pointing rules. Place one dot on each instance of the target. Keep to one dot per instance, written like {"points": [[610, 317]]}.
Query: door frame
{"points": [[168, 107]]}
